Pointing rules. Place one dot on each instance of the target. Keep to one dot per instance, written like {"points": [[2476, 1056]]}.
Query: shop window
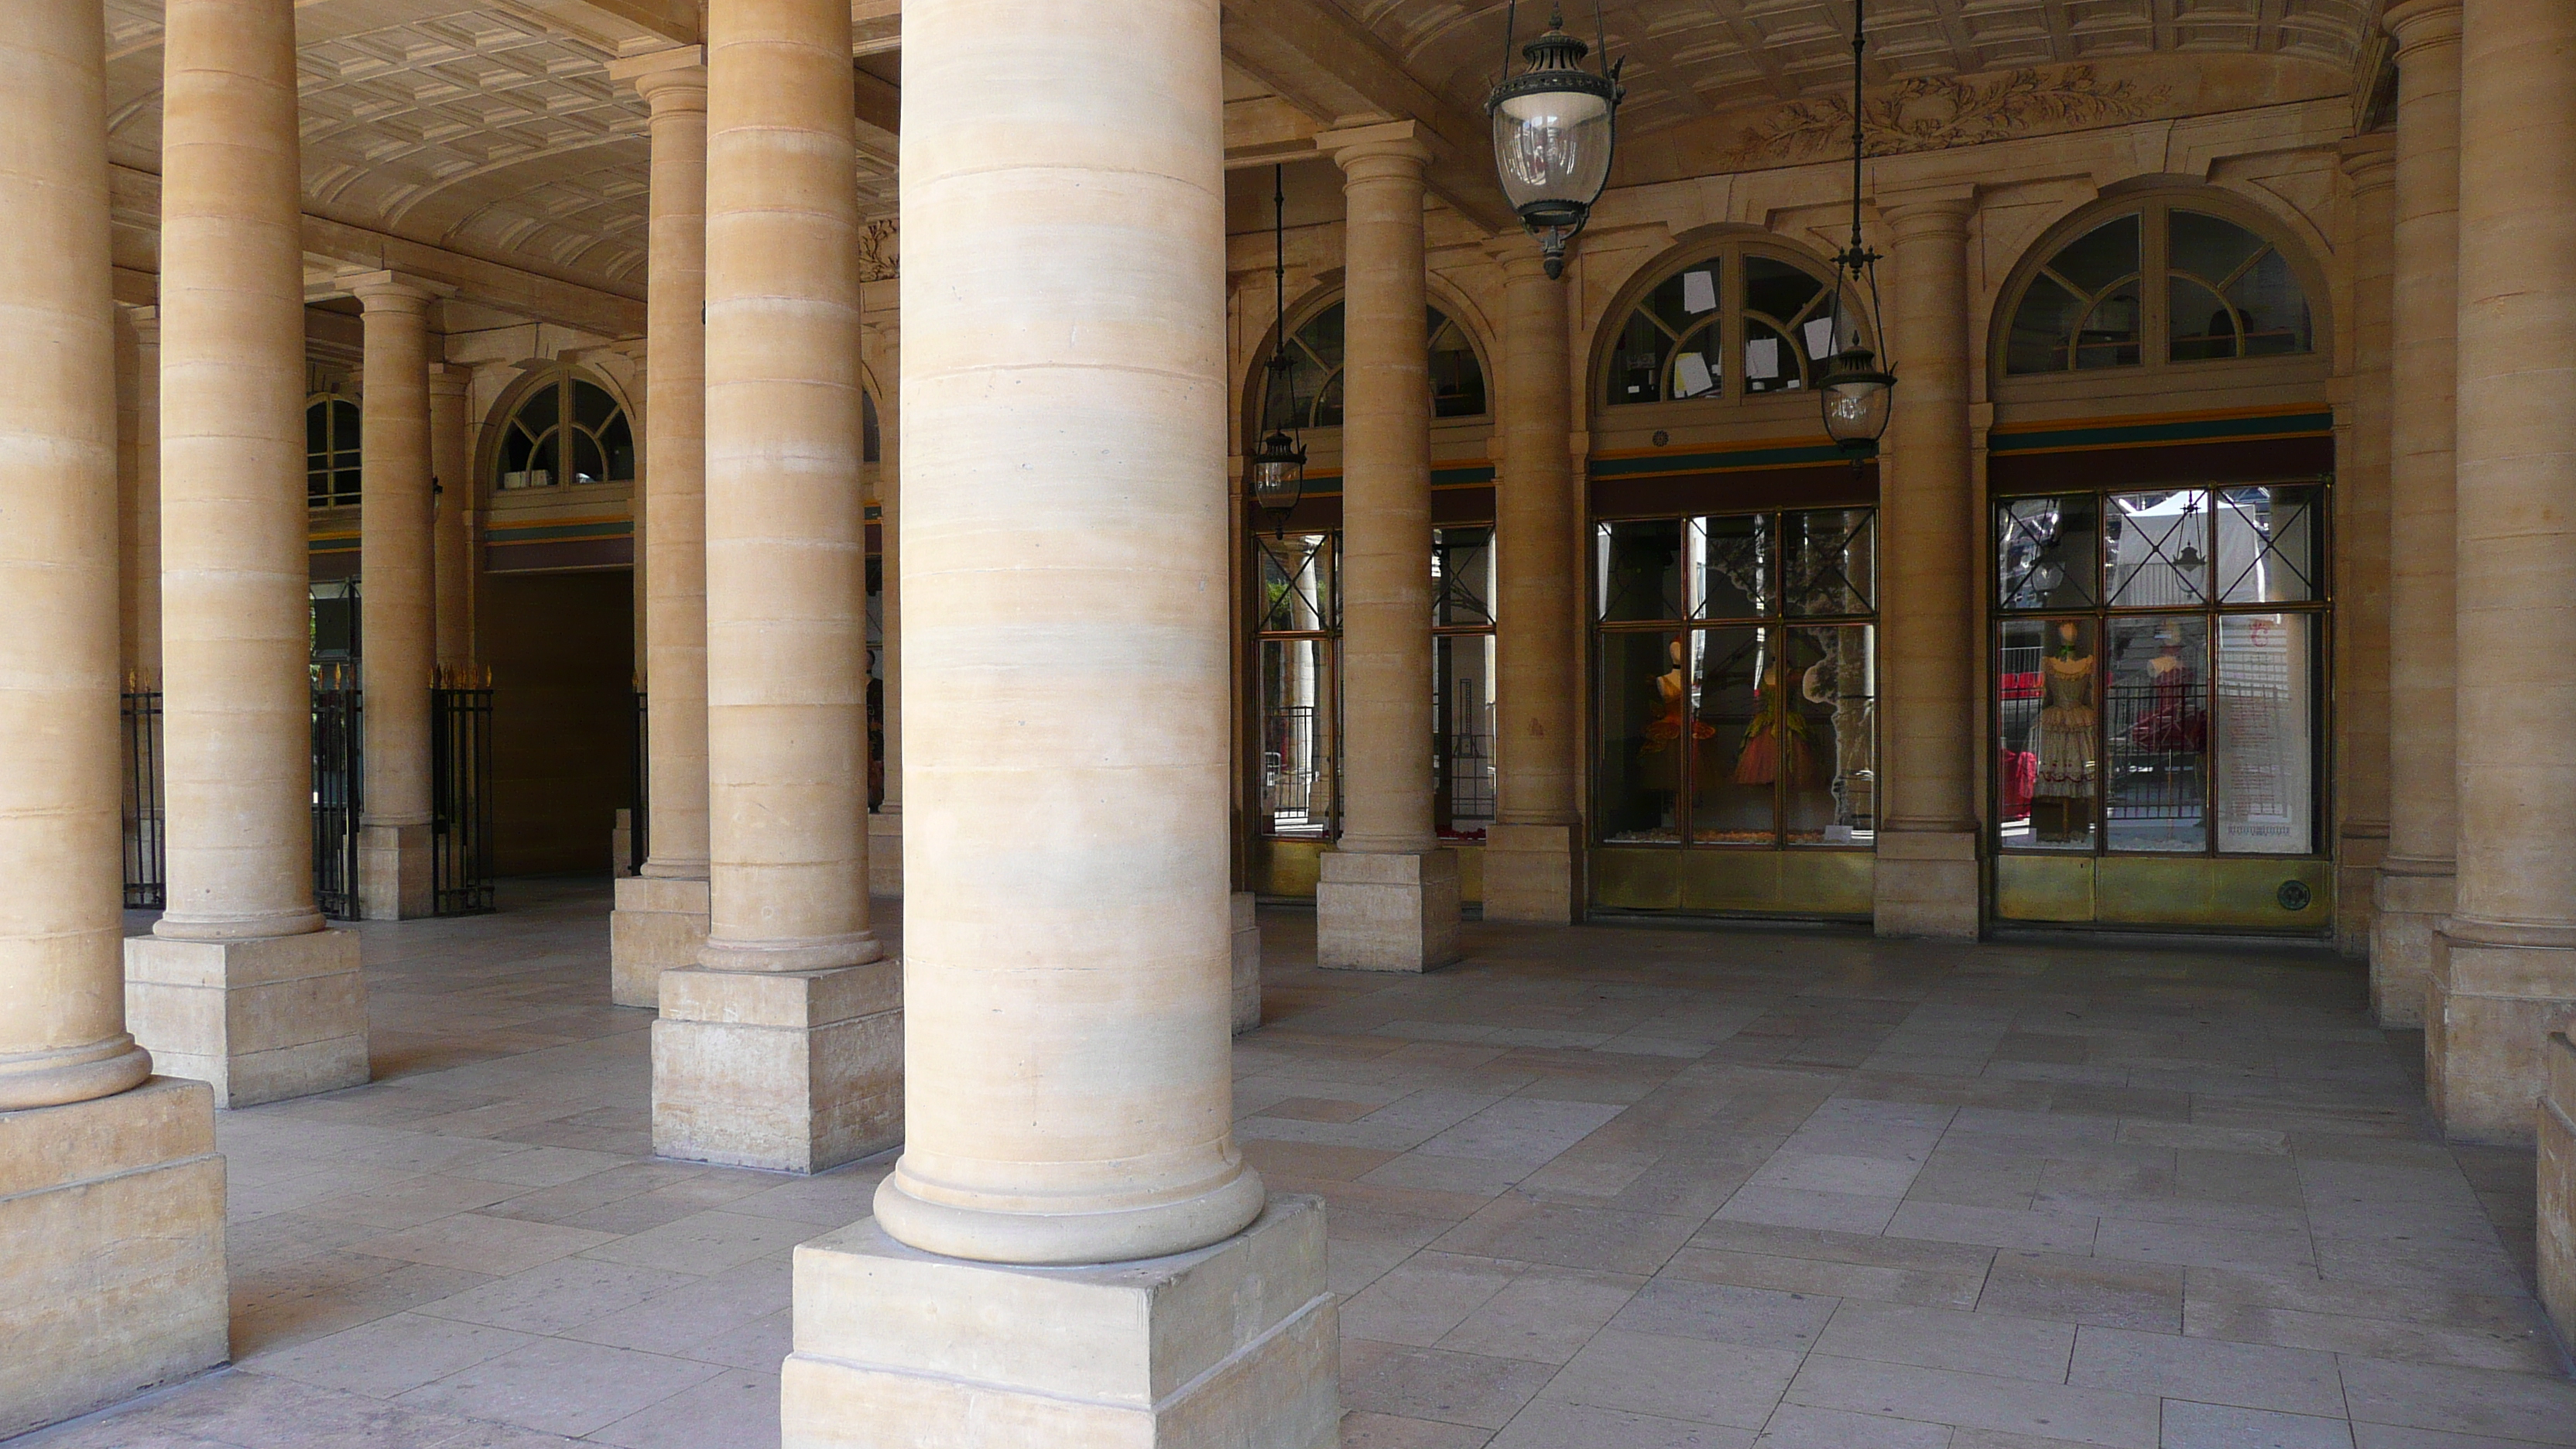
{"points": [[567, 431], [331, 474], [1734, 323], [1296, 649], [1737, 680], [1308, 393], [2162, 282], [1462, 681], [2160, 657]]}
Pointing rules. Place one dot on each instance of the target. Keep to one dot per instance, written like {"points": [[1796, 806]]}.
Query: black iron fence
{"points": [[460, 775], [146, 853], [639, 816], [338, 730]]}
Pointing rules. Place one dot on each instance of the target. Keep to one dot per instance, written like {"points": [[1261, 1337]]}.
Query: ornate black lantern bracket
{"points": [[1858, 386], [1555, 128]]}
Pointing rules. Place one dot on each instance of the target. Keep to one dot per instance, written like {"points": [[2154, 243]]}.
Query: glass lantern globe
{"points": [[1275, 476], [1555, 125], [1858, 396]]}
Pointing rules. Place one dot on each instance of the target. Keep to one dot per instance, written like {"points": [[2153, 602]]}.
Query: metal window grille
{"points": [[337, 729], [640, 816], [146, 850], [460, 776]]}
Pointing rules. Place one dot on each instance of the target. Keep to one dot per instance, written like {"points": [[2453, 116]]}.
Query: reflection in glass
{"points": [[1298, 726], [1739, 748], [1833, 707], [2232, 294], [1297, 594], [1646, 725], [1639, 569], [1830, 563], [2045, 549], [2267, 545], [2082, 311], [1462, 700], [1462, 577], [2266, 733], [2156, 548], [1734, 575], [2044, 771], [2157, 732]]}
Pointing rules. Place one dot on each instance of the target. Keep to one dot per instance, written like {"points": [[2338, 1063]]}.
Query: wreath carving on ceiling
{"points": [[1934, 113]]}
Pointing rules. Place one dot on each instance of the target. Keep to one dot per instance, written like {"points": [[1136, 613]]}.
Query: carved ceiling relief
{"points": [[1935, 113], [877, 251]]}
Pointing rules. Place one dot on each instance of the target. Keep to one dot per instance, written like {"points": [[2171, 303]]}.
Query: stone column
{"points": [[397, 601], [661, 916], [2504, 962], [138, 472], [111, 1197], [1388, 899], [451, 538], [239, 984], [2414, 890], [885, 826], [2361, 555], [1926, 873], [1066, 928], [1531, 846], [780, 1048]]}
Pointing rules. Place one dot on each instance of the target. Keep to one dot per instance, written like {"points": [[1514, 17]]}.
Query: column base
{"points": [[793, 1071], [1529, 874], [2492, 1004], [113, 1210], [2558, 1184], [1926, 884], [659, 924], [885, 853], [1247, 962], [394, 881], [2357, 859], [2412, 898], [1391, 911], [1234, 1344], [259, 1020]]}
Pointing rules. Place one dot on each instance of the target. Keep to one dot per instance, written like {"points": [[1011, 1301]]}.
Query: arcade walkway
{"points": [[1608, 1186]]}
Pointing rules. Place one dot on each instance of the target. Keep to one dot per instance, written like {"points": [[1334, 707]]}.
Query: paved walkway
{"points": [[1613, 1186]]}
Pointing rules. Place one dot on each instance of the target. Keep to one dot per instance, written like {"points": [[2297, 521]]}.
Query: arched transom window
{"points": [[330, 451], [2162, 283], [1734, 323], [1310, 395], [569, 430]]}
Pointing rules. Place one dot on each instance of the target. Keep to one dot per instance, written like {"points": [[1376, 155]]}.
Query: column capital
{"points": [[1929, 210], [1519, 255], [146, 322], [1378, 146], [2370, 161], [673, 79], [448, 380], [390, 291], [2416, 24]]}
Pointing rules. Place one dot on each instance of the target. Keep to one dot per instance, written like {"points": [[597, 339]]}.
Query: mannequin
{"points": [[2061, 806]]}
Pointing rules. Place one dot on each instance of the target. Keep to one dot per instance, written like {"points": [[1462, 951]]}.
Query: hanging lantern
{"points": [[1555, 125], [1274, 475], [1858, 390]]}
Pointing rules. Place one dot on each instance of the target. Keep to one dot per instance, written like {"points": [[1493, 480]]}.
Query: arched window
{"points": [[1309, 395], [330, 451], [2164, 282], [1771, 316], [568, 430]]}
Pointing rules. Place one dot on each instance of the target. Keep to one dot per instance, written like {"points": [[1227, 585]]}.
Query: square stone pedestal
{"points": [[885, 853], [112, 1277], [260, 1020], [394, 881], [1387, 912], [1529, 874], [1247, 962], [1230, 1347], [2489, 1009], [1925, 883], [2557, 1122], [793, 1071], [658, 924], [2411, 904]]}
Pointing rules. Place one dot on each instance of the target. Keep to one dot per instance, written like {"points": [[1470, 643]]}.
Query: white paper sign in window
{"points": [[1690, 375], [1820, 337], [1699, 292], [1762, 358]]}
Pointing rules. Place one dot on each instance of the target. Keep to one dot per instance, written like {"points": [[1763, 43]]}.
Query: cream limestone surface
{"points": [[111, 1197], [1926, 876], [885, 823], [1388, 899], [451, 453], [661, 916], [781, 1048], [2557, 1212], [2504, 971], [1529, 849], [398, 618], [1064, 558], [2415, 886], [2362, 541], [138, 468]]}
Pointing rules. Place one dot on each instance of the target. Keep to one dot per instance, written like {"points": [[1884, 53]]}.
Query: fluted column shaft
{"points": [[675, 475], [2506, 972], [1067, 934], [398, 598], [62, 989], [2416, 878], [785, 640], [451, 544], [236, 614]]}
